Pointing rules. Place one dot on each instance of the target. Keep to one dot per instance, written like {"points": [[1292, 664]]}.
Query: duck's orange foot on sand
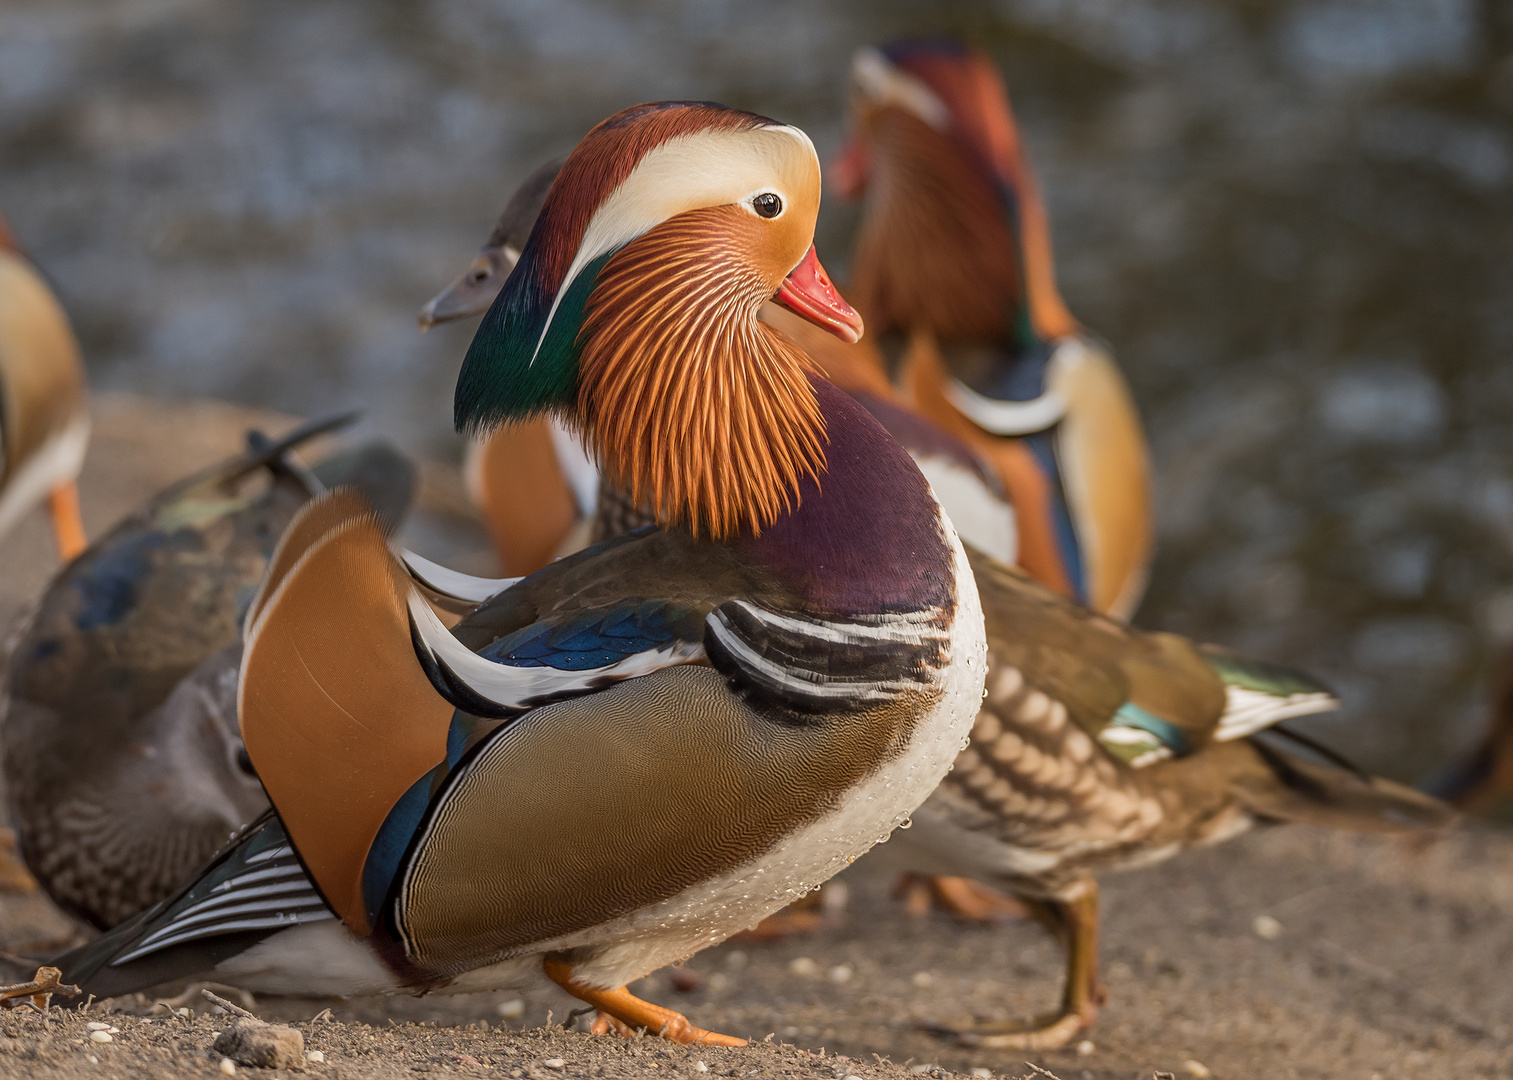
{"points": [[962, 898], [14, 876], [1050, 1032], [622, 1013]]}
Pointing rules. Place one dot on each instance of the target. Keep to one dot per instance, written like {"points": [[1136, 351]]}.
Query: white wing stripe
{"points": [[910, 629], [798, 681], [268, 922], [434, 576], [1248, 711], [518, 687]]}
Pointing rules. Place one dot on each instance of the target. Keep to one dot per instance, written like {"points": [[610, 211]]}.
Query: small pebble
{"points": [[101, 1036], [554, 1063], [228, 1066], [804, 967], [984, 1073], [699, 1066], [315, 1055], [93, 1060], [1266, 928], [511, 1010], [95, 1025], [842, 973], [920, 1068], [1197, 1069], [1086, 1047], [184, 1012], [922, 980]]}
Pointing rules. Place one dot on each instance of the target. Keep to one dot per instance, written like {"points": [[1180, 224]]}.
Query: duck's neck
{"points": [[866, 537], [956, 242], [699, 411]]}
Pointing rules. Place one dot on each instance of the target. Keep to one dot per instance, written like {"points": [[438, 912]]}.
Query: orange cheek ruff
{"points": [[706, 413]]}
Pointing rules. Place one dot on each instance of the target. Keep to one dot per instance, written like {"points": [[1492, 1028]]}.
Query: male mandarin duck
{"points": [[644, 747], [122, 758], [1099, 746], [532, 481], [44, 414], [953, 268]]}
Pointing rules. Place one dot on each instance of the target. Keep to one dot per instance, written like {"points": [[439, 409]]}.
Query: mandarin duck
{"points": [[648, 745], [122, 757], [954, 274], [533, 483], [1100, 746], [44, 413]]}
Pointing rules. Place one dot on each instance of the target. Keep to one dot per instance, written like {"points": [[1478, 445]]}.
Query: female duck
{"points": [[663, 738]]}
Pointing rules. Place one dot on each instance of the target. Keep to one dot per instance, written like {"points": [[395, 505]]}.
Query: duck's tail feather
{"points": [[253, 888], [1292, 788]]}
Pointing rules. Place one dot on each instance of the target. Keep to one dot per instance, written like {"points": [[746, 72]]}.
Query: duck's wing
{"points": [[640, 704], [1143, 696], [255, 887]]}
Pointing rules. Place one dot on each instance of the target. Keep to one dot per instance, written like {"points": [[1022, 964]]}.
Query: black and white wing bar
{"points": [[824, 664], [270, 893], [497, 691]]}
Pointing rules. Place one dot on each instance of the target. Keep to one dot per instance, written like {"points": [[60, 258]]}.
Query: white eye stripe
{"points": [[707, 168]]}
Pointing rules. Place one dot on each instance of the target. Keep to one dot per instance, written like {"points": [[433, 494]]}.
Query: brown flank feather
{"points": [[703, 413]]}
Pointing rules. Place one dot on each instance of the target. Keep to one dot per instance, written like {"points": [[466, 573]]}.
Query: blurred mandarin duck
{"points": [[532, 480], [44, 413], [953, 270], [646, 746], [122, 757]]}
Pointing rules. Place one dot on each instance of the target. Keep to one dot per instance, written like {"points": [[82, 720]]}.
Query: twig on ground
{"points": [[1042, 1072], [36, 991], [234, 1010]]}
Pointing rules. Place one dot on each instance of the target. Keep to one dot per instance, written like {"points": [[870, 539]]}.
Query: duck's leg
{"points": [[962, 898], [625, 1011], [1072, 920], [68, 526], [14, 876]]}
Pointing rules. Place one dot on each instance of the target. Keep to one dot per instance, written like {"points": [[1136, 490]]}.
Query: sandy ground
{"points": [[1386, 960]]}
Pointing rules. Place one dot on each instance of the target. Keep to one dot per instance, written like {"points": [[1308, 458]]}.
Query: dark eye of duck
{"points": [[767, 205]]}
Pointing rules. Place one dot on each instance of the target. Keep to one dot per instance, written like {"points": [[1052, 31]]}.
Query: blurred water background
{"points": [[1293, 220]]}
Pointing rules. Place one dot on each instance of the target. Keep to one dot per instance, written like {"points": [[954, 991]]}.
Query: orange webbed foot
{"points": [[963, 899], [622, 1013]]}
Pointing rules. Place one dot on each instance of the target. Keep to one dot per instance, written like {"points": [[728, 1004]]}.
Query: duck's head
{"points": [[475, 288], [633, 313], [955, 233]]}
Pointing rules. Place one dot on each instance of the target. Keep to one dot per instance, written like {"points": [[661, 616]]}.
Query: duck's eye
{"points": [[767, 205]]}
